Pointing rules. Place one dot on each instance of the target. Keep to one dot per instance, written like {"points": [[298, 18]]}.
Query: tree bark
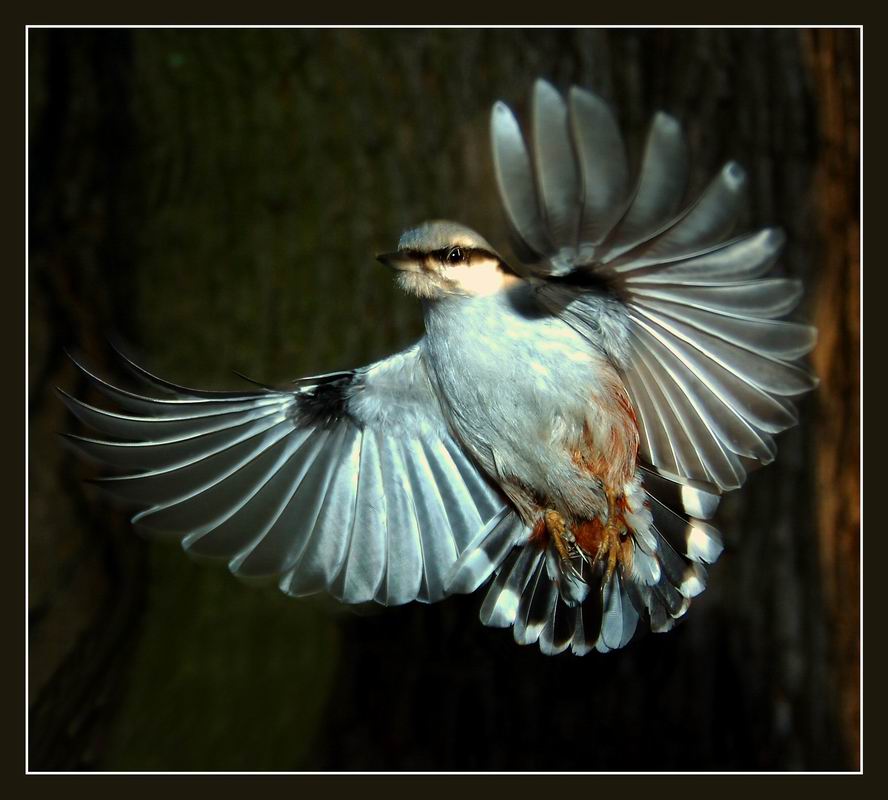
{"points": [[834, 60]]}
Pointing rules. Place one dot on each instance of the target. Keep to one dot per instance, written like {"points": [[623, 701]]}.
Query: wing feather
{"points": [[708, 364], [350, 483], [326, 548], [404, 558], [603, 168], [281, 545], [363, 568], [515, 179], [558, 181], [660, 187], [436, 537]]}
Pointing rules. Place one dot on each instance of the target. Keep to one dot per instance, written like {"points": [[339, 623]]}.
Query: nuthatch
{"points": [[561, 431]]}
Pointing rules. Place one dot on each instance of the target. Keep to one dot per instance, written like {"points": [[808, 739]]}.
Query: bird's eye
{"points": [[456, 255]]}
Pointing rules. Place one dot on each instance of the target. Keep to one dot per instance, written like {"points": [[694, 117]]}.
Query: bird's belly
{"points": [[518, 397]]}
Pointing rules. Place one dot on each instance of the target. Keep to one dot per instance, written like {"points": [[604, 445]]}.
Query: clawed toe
{"points": [[589, 542]]}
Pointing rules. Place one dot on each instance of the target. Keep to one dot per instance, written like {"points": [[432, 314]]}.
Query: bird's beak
{"points": [[403, 262]]}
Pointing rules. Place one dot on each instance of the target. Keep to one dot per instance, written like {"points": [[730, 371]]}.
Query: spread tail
{"points": [[594, 603]]}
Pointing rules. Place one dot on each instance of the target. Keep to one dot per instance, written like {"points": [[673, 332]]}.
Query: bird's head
{"points": [[440, 259]]}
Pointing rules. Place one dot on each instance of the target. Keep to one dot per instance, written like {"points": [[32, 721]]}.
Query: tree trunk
{"points": [[215, 198], [835, 60]]}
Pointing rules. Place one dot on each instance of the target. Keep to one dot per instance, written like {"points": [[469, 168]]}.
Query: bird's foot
{"points": [[609, 542], [588, 541], [611, 547], [564, 541]]}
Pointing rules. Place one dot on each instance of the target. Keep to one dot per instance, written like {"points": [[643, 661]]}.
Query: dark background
{"points": [[215, 198]]}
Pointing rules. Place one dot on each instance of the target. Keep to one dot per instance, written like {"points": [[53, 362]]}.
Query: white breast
{"points": [[517, 384]]}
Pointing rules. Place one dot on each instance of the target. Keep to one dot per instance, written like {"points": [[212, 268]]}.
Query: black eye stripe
{"points": [[469, 254]]}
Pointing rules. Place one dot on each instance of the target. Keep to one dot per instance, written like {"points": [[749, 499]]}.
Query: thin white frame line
{"points": [[345, 27], [474, 772], [27, 415], [296, 26]]}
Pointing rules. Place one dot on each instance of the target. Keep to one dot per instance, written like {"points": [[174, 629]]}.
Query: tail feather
{"points": [[558, 632], [525, 632], [486, 553], [575, 606], [500, 607]]}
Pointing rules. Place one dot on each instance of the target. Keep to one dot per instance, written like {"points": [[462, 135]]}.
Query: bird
{"points": [[561, 434]]}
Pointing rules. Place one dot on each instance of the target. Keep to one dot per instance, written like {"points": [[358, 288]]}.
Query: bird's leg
{"points": [[562, 538], [614, 535], [591, 540], [606, 540]]}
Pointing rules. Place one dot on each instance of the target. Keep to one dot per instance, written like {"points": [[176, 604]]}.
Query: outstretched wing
{"points": [[708, 364], [351, 483]]}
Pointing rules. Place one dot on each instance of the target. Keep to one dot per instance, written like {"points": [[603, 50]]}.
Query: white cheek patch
{"points": [[478, 280]]}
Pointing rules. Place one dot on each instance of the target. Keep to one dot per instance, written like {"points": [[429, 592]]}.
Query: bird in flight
{"points": [[561, 432]]}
